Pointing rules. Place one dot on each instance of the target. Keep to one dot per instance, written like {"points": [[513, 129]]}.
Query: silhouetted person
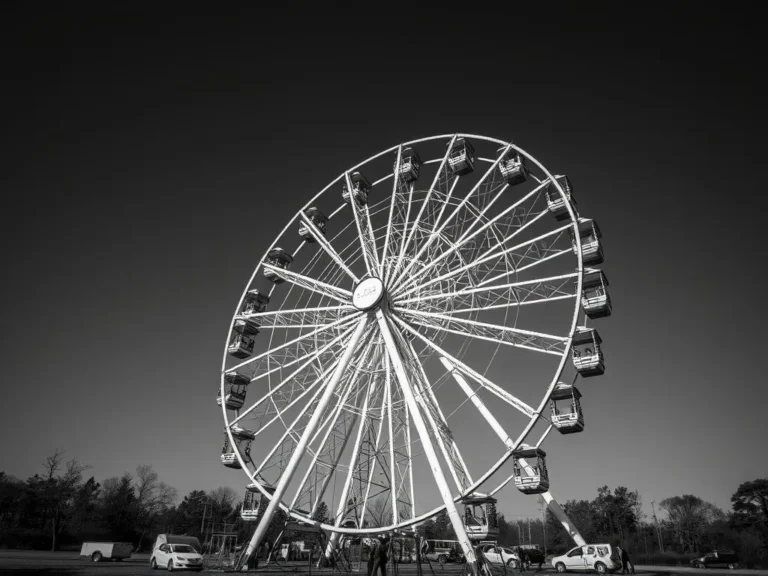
{"points": [[255, 558], [523, 558], [380, 558], [625, 561], [371, 555], [481, 563]]}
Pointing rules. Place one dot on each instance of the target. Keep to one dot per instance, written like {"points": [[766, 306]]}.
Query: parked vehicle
{"points": [[98, 551], [176, 557], [602, 558], [535, 555], [175, 539], [457, 556], [440, 550], [501, 555], [717, 560]]}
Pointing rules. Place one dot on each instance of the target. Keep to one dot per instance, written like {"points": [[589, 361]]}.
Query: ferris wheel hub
{"points": [[368, 294]]}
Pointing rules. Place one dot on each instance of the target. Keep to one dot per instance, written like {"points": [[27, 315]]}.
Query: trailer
{"points": [[98, 551]]}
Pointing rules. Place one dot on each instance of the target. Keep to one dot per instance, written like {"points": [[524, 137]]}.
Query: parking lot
{"points": [[28, 563]]}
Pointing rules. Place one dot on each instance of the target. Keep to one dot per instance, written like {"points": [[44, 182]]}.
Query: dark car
{"points": [[717, 560], [456, 556], [534, 553]]}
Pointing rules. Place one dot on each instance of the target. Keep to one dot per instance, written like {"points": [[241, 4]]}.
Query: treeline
{"points": [[62, 507], [686, 526]]}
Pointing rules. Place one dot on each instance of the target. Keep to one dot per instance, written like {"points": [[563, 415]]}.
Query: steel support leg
{"points": [[429, 449], [552, 504], [293, 463]]}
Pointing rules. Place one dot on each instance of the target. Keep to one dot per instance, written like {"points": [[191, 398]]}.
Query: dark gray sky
{"points": [[150, 156]]}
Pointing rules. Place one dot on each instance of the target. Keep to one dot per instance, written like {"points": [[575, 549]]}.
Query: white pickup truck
{"points": [[98, 551]]}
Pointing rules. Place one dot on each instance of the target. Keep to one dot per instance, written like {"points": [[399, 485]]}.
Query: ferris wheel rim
{"points": [[538, 411]]}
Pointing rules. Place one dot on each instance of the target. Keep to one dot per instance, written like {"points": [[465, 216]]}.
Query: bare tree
{"points": [[689, 517], [152, 499], [379, 512], [222, 501], [60, 485]]}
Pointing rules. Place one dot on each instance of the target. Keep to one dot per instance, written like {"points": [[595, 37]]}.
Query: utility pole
{"points": [[645, 539], [530, 541], [658, 528], [202, 522], [543, 507]]}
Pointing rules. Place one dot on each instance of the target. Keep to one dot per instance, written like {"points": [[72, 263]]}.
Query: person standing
{"points": [[372, 555], [380, 558], [625, 562], [482, 563], [523, 557]]}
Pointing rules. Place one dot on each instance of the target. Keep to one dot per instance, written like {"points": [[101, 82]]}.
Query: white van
{"points": [[601, 558]]}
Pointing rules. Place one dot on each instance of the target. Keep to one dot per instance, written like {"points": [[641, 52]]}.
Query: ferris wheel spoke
{"points": [[335, 460], [441, 171], [491, 255], [535, 254], [269, 353], [421, 427], [515, 337], [551, 255], [478, 403], [373, 457], [395, 263], [298, 452], [433, 415], [494, 254], [326, 246], [334, 292], [279, 414], [289, 430], [318, 316], [443, 205], [307, 360], [467, 236], [343, 507], [393, 473], [396, 182], [426, 398], [292, 379], [364, 231], [495, 296], [409, 455], [436, 231], [467, 370], [330, 425], [481, 216]]}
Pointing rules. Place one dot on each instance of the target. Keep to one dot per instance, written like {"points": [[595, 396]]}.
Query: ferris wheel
{"points": [[410, 332]]}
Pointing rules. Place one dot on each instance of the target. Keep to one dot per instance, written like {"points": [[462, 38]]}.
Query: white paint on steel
{"points": [[429, 450]]}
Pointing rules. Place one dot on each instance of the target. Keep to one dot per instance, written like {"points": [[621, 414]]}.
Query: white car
{"points": [[499, 555], [176, 557], [601, 558]]}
